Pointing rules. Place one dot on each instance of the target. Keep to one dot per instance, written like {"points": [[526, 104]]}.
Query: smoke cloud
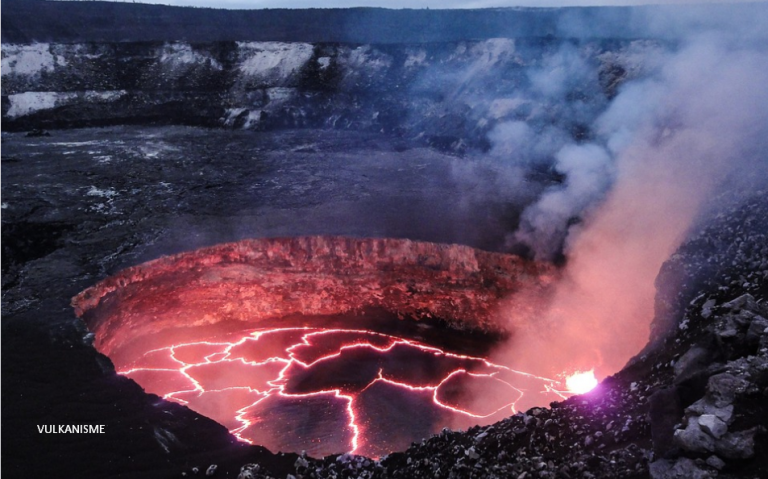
{"points": [[588, 171], [634, 173], [663, 148]]}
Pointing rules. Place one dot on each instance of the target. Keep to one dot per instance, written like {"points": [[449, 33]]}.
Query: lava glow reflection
{"points": [[581, 382], [334, 390]]}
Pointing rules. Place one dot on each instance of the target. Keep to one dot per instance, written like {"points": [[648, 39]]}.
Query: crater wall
{"points": [[267, 279]]}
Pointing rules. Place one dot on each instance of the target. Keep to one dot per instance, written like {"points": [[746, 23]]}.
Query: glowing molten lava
{"points": [[581, 382], [295, 343], [354, 390]]}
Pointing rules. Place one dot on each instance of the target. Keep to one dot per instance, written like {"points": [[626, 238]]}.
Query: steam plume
{"points": [[664, 146]]}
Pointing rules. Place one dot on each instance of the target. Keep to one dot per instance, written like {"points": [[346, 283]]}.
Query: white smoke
{"points": [[688, 124], [664, 146], [588, 170]]}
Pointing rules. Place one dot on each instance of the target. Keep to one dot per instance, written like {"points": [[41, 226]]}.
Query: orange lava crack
{"points": [[293, 361]]}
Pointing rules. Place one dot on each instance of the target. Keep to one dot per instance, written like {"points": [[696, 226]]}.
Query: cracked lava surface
{"points": [[323, 344], [333, 390]]}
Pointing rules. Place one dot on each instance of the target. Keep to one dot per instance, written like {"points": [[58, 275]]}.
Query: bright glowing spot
{"points": [[581, 382]]}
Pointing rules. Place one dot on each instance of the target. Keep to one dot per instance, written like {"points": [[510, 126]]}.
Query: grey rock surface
{"points": [[682, 468], [737, 445], [693, 438], [713, 425]]}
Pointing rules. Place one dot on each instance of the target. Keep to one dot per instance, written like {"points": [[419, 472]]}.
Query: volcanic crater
{"points": [[324, 344]]}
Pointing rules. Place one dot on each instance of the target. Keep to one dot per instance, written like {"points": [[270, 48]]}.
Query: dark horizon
{"points": [[27, 21]]}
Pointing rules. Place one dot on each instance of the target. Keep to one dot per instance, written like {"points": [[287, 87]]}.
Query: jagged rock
{"points": [[705, 406], [745, 301], [300, 462], [211, 470], [737, 445], [693, 438], [716, 462], [693, 360], [251, 471], [727, 331], [706, 308], [683, 468], [471, 453], [760, 365], [713, 425], [723, 388], [756, 329]]}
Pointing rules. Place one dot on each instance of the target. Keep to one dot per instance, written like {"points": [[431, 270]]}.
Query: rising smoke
{"points": [[692, 126]]}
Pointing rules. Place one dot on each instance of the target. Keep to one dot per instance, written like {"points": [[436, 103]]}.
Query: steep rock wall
{"points": [[254, 280], [447, 95]]}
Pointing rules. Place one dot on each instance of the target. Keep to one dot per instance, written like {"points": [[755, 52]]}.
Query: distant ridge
{"points": [[26, 21]]}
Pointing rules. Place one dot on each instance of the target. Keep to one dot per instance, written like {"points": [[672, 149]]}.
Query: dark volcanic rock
{"points": [[447, 96], [737, 445], [682, 468], [37, 132], [693, 438], [665, 411]]}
